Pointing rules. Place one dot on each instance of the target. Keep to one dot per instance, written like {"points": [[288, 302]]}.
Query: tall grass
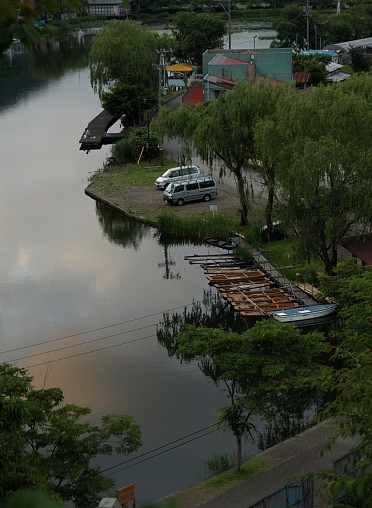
{"points": [[195, 227]]}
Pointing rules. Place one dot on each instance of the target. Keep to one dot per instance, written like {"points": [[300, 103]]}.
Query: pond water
{"points": [[83, 288]]}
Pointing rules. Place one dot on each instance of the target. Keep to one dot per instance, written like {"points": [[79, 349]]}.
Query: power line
{"points": [[82, 343], [94, 329], [157, 454], [89, 352], [156, 449]]}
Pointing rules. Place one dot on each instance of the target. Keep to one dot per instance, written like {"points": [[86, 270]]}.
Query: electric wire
{"points": [[156, 454], [82, 343], [95, 329], [91, 351], [158, 448]]}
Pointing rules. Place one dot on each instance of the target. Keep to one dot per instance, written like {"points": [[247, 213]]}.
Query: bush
{"points": [[129, 149], [219, 463]]}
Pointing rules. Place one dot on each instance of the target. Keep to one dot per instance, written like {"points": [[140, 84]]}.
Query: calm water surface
{"points": [[82, 289]]}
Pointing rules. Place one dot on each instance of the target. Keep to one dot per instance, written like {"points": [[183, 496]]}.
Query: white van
{"points": [[178, 193], [177, 174]]}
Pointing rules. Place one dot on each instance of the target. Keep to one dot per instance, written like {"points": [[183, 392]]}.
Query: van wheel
{"points": [[207, 197], [180, 202]]}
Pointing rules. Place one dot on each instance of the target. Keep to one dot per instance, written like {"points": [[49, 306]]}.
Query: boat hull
{"points": [[303, 313]]}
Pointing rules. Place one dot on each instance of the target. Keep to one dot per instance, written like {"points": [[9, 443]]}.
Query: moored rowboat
{"points": [[304, 313]]}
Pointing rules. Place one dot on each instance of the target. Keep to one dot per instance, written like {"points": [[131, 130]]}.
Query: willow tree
{"points": [[223, 131], [124, 54], [323, 149]]}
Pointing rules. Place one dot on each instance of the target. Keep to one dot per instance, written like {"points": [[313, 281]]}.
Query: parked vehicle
{"points": [[202, 188], [177, 174]]}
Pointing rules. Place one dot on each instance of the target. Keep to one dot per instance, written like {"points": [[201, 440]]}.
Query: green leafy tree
{"points": [[46, 444], [324, 182], [122, 54], [195, 33], [351, 288], [352, 405], [262, 369], [291, 27], [359, 60]]}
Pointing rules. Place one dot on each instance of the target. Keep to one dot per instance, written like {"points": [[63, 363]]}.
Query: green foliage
{"points": [[31, 499], [195, 33], [323, 180], [315, 64], [263, 370], [351, 288], [291, 27], [352, 404], [218, 226], [129, 102], [219, 462], [123, 53], [359, 60], [45, 444], [129, 149]]}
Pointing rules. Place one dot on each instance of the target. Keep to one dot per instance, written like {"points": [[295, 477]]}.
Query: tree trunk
{"points": [[269, 211], [239, 459], [243, 197]]}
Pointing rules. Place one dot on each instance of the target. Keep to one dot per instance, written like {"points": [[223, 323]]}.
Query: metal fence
{"points": [[298, 494]]}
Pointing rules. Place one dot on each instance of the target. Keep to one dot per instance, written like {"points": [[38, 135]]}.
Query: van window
{"points": [[179, 188], [174, 174], [189, 171], [206, 184], [192, 186]]}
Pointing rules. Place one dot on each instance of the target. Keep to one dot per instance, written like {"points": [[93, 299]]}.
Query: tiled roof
{"points": [[226, 60], [216, 80], [360, 248], [194, 95], [302, 77]]}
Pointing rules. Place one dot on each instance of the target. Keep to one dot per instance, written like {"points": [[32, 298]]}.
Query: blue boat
{"points": [[304, 313]]}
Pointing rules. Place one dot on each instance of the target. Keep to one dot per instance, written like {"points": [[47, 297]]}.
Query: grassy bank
{"points": [[206, 490]]}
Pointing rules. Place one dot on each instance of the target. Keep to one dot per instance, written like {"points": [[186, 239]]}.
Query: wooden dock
{"points": [[251, 292], [96, 135], [254, 289]]}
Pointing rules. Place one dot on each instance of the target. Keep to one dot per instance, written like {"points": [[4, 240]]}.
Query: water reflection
{"points": [[28, 71], [120, 229], [51, 59]]}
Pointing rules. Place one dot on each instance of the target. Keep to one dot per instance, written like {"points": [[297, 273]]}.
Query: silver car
{"points": [[177, 174]]}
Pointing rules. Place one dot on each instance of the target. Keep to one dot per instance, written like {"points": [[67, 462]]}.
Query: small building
{"points": [[302, 79], [108, 8], [342, 49], [335, 74], [360, 248], [222, 69]]}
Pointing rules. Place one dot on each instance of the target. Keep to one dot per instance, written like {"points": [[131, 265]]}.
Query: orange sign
{"points": [[126, 494]]}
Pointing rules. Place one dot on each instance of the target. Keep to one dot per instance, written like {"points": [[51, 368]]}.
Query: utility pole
{"points": [[228, 12], [307, 10]]}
